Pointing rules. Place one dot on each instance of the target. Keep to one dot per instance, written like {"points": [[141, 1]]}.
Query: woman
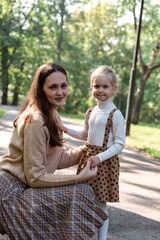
{"points": [[36, 203]]}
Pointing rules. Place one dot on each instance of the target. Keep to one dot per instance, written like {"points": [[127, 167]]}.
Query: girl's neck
{"points": [[105, 104]]}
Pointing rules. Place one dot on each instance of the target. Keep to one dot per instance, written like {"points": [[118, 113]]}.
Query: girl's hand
{"points": [[94, 161], [59, 123], [87, 173]]}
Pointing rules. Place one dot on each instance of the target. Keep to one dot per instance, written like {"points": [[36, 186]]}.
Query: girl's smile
{"points": [[102, 88]]}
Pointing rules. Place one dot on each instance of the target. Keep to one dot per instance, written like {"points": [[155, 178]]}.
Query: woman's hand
{"points": [[87, 173]]}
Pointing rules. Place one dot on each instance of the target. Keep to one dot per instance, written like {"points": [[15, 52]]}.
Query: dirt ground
{"points": [[137, 215]]}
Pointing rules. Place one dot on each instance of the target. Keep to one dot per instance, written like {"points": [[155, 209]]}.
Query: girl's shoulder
{"points": [[118, 115]]}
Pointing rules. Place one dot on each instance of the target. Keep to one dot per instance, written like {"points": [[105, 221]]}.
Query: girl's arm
{"points": [[118, 132], [78, 134]]}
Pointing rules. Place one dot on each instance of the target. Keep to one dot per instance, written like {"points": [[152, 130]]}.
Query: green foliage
{"points": [[2, 112], [94, 33], [150, 111]]}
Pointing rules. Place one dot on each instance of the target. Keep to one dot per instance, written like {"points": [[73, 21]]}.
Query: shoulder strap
{"points": [[89, 112], [108, 126]]}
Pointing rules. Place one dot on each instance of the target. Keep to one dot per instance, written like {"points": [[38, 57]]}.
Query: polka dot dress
{"points": [[106, 183]]}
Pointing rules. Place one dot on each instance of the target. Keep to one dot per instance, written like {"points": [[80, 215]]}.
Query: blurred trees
{"points": [[149, 56], [80, 34]]}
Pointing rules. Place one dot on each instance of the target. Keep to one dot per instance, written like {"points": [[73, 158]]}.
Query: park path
{"points": [[137, 215]]}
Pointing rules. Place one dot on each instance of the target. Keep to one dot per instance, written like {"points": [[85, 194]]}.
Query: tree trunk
{"points": [[139, 99], [4, 61], [17, 87], [62, 7], [15, 96], [147, 70], [4, 76]]}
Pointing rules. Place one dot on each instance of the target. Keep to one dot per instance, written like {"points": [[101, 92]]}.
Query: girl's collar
{"points": [[105, 104]]}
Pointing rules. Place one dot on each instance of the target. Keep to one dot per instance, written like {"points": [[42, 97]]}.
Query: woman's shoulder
{"points": [[29, 118], [36, 125], [37, 117]]}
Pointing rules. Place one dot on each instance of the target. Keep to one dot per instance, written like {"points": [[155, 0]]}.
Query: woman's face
{"points": [[55, 89]]}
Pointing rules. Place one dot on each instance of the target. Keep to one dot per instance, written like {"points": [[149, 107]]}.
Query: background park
{"points": [[80, 35]]}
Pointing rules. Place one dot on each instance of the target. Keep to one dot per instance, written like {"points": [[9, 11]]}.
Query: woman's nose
{"points": [[59, 91]]}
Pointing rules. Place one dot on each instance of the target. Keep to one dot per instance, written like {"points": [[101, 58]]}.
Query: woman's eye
{"points": [[53, 87]]}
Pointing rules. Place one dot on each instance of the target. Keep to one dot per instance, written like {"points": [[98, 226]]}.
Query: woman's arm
{"points": [[35, 156]]}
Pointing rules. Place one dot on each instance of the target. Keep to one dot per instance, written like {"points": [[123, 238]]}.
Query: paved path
{"points": [[137, 216]]}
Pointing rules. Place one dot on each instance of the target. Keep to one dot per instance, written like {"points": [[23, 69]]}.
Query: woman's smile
{"points": [[56, 89]]}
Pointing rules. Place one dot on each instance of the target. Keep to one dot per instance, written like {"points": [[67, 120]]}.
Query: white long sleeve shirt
{"points": [[94, 129]]}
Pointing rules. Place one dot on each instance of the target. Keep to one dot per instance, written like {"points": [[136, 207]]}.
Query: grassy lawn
{"points": [[2, 112], [76, 118], [145, 137]]}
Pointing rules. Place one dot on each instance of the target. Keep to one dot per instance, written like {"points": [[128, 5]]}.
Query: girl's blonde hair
{"points": [[103, 70]]}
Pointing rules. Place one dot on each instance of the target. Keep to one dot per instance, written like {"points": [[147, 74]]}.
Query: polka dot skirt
{"points": [[106, 183]]}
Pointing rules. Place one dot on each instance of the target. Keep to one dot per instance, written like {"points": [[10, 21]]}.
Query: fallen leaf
{"points": [[122, 214]]}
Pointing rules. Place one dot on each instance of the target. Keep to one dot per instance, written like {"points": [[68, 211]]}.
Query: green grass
{"points": [[2, 112], [75, 117], [145, 137]]}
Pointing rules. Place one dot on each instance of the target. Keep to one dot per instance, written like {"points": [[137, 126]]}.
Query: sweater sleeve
{"points": [[80, 134], [118, 123], [35, 152], [70, 158]]}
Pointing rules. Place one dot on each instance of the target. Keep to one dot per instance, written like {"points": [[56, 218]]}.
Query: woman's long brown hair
{"points": [[37, 100]]}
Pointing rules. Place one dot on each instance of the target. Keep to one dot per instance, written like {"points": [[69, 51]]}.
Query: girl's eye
{"points": [[96, 86], [64, 86], [105, 86]]}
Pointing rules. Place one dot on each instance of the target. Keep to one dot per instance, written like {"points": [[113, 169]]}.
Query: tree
{"points": [[62, 8], [147, 69], [152, 63], [13, 21]]}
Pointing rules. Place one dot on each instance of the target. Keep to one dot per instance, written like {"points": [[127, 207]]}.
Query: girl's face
{"points": [[55, 89], [102, 88]]}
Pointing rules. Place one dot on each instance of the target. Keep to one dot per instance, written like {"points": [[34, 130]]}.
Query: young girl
{"points": [[105, 135]]}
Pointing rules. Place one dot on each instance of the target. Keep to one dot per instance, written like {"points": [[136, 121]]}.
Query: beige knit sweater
{"points": [[33, 160]]}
